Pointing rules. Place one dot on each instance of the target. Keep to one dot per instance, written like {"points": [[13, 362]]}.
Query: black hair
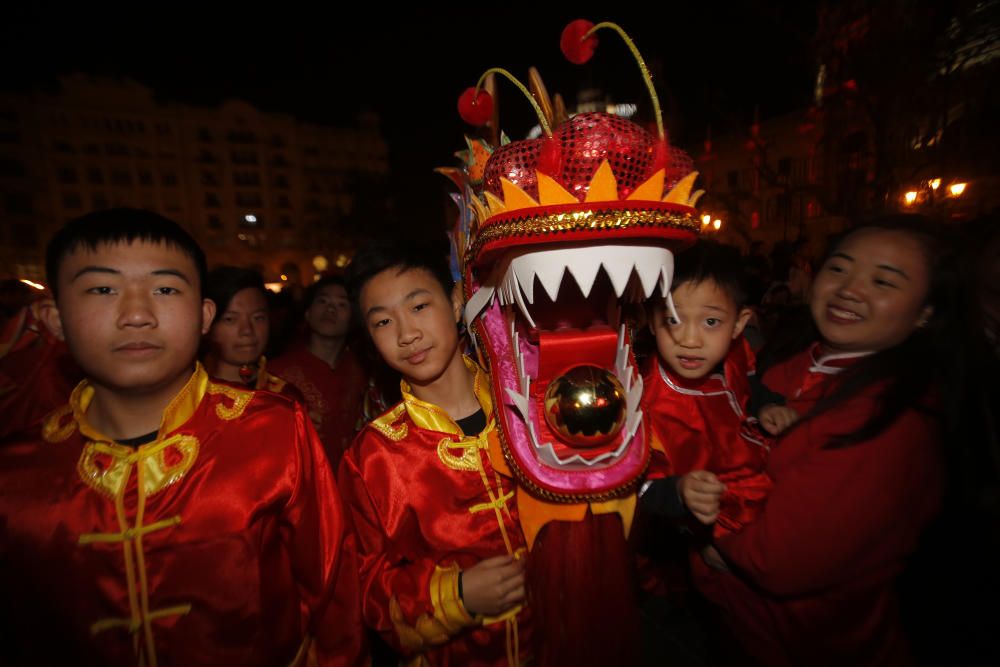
{"points": [[223, 282], [118, 225], [709, 260], [377, 256], [313, 290], [925, 371]]}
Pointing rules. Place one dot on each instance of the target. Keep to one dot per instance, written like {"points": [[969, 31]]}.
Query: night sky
{"points": [[716, 62]]}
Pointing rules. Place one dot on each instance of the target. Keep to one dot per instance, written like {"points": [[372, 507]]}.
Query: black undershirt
{"points": [[473, 424], [141, 440]]}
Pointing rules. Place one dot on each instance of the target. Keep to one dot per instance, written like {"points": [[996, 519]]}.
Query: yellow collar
{"points": [[431, 417], [177, 412]]}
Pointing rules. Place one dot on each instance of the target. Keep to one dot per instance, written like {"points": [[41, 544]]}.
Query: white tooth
{"points": [[550, 274], [670, 306], [517, 356], [633, 423], [619, 273], [525, 384], [649, 273], [519, 299], [666, 276], [634, 396], [520, 402], [584, 273], [525, 274], [477, 303]]}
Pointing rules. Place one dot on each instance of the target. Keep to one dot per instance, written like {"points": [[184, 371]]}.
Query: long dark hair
{"points": [[923, 372]]}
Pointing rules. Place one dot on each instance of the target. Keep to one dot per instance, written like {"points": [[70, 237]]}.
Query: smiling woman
{"points": [[860, 476]]}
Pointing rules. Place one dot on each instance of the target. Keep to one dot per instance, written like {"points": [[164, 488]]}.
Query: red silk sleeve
{"points": [[323, 551]]}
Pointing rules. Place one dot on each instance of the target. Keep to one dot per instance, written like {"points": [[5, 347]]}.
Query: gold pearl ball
{"points": [[585, 406]]}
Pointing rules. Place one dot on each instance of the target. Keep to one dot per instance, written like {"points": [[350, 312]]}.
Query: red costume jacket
{"points": [[334, 396], [703, 425], [812, 580], [426, 503], [208, 546], [37, 372]]}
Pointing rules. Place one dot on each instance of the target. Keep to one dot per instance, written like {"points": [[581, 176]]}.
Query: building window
{"points": [[244, 157], [214, 222], [208, 178], [285, 222], [278, 141], [95, 176], [283, 202], [10, 137], [212, 200], [242, 137], [99, 201], [168, 178], [247, 178], [279, 160], [20, 203], [204, 134], [248, 199], [207, 157], [12, 168], [145, 177], [71, 200], [733, 179], [280, 181], [91, 149], [64, 147], [121, 177], [24, 235], [67, 175]]}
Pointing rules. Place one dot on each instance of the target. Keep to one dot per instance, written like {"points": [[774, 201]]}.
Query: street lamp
{"points": [[717, 224], [935, 183], [956, 189], [705, 220], [910, 197]]}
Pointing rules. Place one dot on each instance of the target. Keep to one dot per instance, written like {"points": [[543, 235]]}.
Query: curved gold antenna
{"points": [[561, 115], [642, 67], [541, 94], [543, 121]]}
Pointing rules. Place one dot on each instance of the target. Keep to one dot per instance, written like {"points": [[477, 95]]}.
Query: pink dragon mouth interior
{"points": [[540, 314]]}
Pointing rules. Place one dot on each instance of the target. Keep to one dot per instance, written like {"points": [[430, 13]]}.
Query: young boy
{"points": [[159, 517], [697, 399], [325, 369], [439, 539]]}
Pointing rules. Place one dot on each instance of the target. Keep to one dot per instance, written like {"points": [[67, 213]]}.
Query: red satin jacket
{"points": [[703, 425], [222, 542], [427, 502]]}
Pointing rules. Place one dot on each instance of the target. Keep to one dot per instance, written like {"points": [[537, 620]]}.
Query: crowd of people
{"points": [[178, 489]]}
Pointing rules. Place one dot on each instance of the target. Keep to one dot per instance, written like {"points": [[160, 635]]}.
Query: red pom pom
{"points": [[573, 45], [475, 109]]}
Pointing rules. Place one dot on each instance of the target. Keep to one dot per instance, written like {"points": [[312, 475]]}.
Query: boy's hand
{"points": [[492, 586], [701, 490], [776, 418]]}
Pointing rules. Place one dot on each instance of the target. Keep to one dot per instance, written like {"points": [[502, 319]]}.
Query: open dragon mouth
{"points": [[564, 375]]}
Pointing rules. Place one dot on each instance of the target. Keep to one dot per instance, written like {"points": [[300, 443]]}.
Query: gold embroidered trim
{"points": [[158, 475], [57, 427], [384, 424], [239, 397], [586, 220], [469, 459]]}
